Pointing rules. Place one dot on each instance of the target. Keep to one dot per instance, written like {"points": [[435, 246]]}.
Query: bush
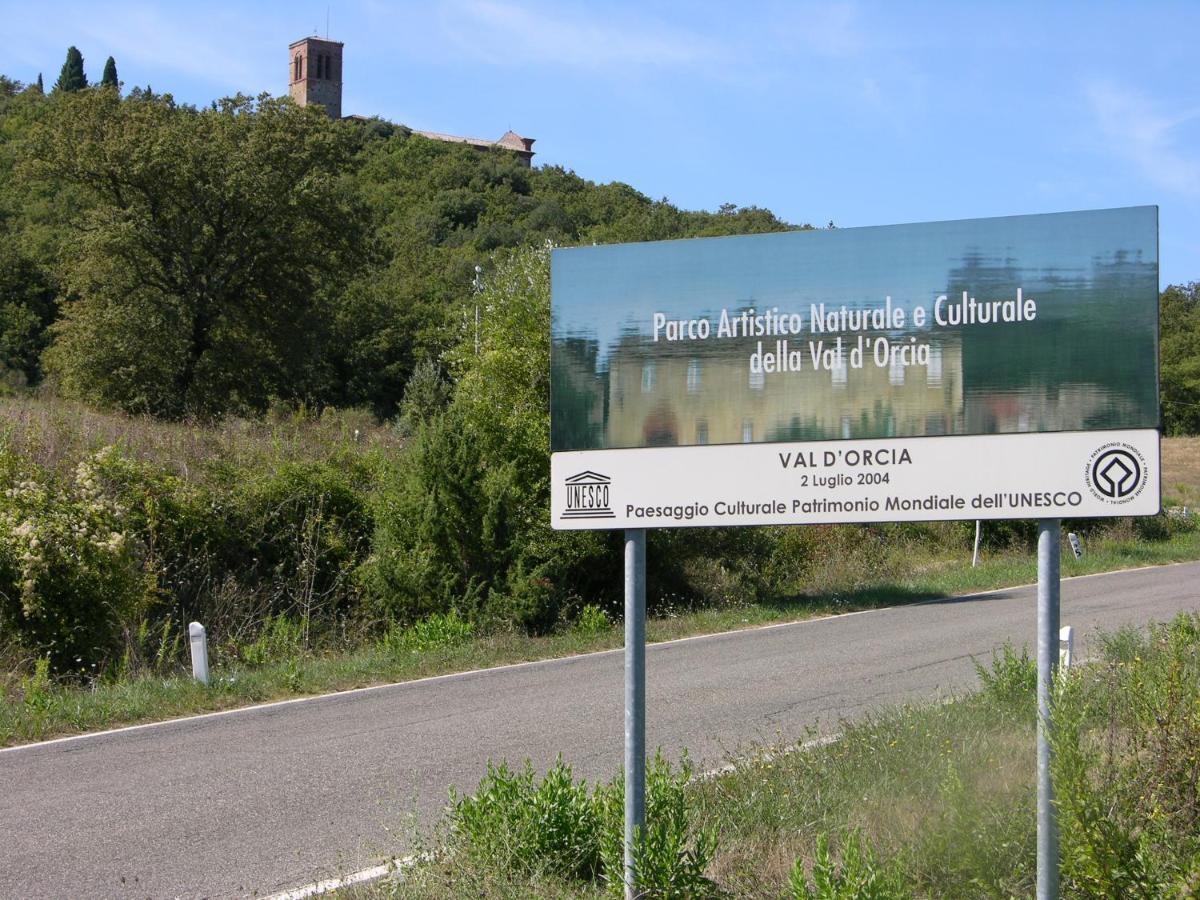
{"points": [[433, 633], [1011, 680], [516, 826], [71, 581], [592, 620], [520, 826], [670, 854], [446, 525], [859, 876]]}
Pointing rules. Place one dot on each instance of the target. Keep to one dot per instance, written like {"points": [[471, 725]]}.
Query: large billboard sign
{"points": [[978, 369]]}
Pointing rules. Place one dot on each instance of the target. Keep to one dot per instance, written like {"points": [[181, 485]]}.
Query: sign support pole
{"points": [[1049, 535], [635, 699]]}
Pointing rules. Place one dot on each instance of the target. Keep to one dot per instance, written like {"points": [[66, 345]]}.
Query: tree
{"points": [[41, 89], [109, 78], [203, 276], [72, 77], [26, 309], [1179, 353]]}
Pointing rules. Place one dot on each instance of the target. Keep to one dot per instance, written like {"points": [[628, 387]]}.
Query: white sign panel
{"points": [[1079, 474]]}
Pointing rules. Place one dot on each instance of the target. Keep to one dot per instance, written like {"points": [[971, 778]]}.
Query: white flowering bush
{"points": [[70, 574]]}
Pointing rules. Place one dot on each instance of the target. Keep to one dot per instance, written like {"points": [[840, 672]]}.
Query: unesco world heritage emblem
{"points": [[1116, 472], [588, 496]]}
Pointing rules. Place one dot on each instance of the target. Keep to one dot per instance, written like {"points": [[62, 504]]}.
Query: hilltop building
{"points": [[316, 74], [315, 78]]}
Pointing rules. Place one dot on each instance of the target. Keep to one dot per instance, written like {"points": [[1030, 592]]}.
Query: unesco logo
{"points": [[1116, 473], [587, 496]]}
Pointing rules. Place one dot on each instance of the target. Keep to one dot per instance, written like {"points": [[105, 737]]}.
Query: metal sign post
{"points": [[635, 698], [1049, 531]]}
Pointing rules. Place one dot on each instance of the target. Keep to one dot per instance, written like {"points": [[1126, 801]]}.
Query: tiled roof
{"points": [[510, 141]]}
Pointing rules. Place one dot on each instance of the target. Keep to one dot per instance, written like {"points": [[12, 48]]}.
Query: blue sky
{"points": [[861, 113]]}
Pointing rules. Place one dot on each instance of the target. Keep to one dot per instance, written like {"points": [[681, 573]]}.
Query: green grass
{"points": [[56, 710]]}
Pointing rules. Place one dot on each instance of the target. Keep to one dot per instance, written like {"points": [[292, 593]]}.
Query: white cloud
{"points": [[214, 46], [507, 33], [1136, 129]]}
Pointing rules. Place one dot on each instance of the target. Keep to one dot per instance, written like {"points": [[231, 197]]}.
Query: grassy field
{"points": [[853, 570], [1181, 471]]}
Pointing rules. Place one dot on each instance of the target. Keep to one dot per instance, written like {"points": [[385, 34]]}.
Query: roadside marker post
{"points": [[1066, 647], [199, 642], [1049, 536], [635, 699]]}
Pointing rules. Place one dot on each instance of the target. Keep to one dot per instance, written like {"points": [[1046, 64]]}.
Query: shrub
{"points": [[446, 522], [1011, 680], [70, 571], [592, 621], [859, 876], [280, 639], [670, 854], [437, 631], [518, 825]]}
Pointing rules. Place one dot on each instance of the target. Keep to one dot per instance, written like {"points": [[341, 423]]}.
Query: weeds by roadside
{"points": [[925, 801]]}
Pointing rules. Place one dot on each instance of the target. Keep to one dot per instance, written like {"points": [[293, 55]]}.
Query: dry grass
{"points": [[56, 434], [1181, 470]]}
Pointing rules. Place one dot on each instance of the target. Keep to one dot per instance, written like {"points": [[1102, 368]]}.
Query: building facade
{"points": [[315, 74]]}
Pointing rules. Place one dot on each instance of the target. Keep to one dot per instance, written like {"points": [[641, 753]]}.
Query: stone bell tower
{"points": [[315, 74]]}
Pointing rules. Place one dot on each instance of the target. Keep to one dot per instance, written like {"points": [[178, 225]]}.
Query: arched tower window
{"points": [[296, 67], [321, 65]]}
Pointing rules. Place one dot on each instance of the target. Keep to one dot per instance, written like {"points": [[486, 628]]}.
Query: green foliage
{"points": [[592, 620], [426, 394], [70, 568], [72, 77], [670, 853], [27, 307], [858, 876], [109, 78], [1179, 358], [187, 301], [37, 688], [282, 638], [516, 825], [1127, 767], [433, 633], [1011, 680]]}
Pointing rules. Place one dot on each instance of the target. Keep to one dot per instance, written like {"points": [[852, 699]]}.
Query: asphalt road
{"points": [[261, 800]]}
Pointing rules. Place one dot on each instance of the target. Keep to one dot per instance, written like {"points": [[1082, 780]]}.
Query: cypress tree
{"points": [[72, 78], [109, 78], [41, 89]]}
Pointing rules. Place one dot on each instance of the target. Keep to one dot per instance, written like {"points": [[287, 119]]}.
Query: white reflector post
{"points": [[199, 641]]}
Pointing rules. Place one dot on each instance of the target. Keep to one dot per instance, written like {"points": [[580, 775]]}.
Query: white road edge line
{"points": [[332, 884], [546, 662]]}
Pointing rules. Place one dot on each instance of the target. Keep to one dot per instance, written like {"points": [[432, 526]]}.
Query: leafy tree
{"points": [[204, 274], [109, 78], [72, 77], [1179, 351], [27, 307]]}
